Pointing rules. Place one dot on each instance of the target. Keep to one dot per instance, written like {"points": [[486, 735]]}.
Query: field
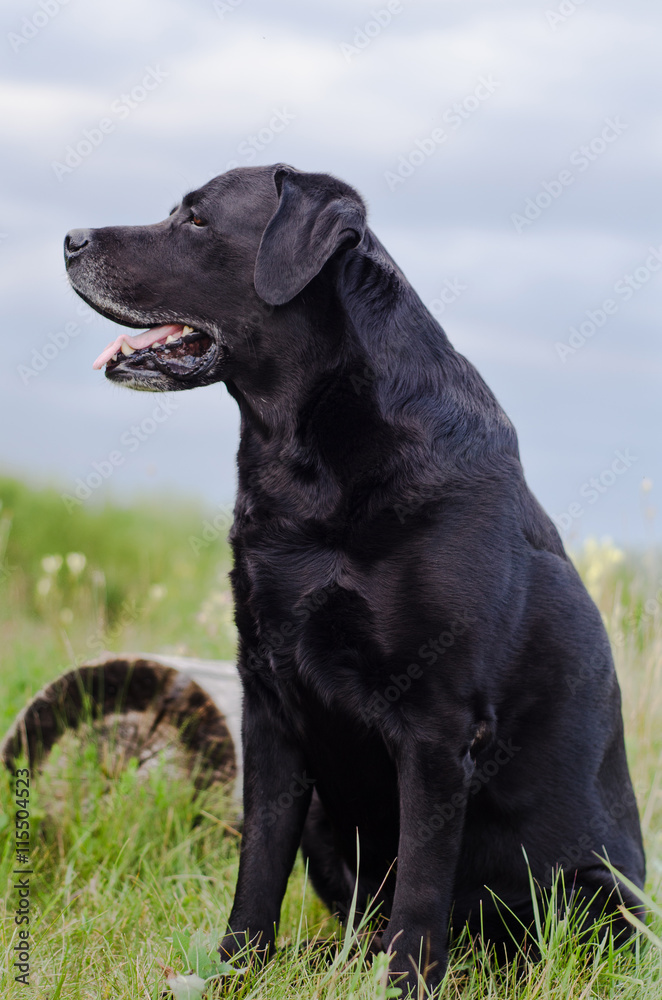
{"points": [[131, 875]]}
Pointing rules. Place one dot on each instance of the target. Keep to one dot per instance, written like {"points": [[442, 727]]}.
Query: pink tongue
{"points": [[146, 339]]}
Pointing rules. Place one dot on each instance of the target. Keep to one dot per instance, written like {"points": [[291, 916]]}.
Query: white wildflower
{"points": [[51, 564], [76, 562]]}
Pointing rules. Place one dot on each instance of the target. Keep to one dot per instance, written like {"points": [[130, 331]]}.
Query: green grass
{"points": [[133, 873]]}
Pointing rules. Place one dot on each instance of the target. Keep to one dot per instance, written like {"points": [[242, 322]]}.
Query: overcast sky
{"points": [[510, 157]]}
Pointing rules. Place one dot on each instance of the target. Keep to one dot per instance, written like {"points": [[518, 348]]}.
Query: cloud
{"points": [[357, 116]]}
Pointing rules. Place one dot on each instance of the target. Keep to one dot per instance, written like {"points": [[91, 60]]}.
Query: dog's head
{"points": [[207, 282]]}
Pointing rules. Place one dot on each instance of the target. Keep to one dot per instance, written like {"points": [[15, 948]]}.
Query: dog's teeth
{"points": [[170, 339], [127, 349], [187, 329], [115, 357]]}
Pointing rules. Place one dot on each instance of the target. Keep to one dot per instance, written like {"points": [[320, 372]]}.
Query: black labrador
{"points": [[423, 670]]}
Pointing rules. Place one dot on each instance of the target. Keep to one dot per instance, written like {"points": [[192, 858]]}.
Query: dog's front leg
{"points": [[277, 792], [433, 785]]}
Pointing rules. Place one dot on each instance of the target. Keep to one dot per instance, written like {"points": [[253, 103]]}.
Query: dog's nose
{"points": [[74, 242]]}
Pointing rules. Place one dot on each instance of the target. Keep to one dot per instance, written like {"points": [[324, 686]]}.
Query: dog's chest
{"points": [[306, 616]]}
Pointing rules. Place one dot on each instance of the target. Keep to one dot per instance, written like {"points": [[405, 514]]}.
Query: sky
{"points": [[509, 154]]}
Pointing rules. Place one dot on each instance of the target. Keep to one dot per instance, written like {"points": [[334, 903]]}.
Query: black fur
{"points": [[420, 660]]}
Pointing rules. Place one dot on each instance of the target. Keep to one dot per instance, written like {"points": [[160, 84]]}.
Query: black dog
{"points": [[421, 662]]}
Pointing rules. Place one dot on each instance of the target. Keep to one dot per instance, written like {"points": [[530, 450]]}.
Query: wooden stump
{"points": [[144, 707]]}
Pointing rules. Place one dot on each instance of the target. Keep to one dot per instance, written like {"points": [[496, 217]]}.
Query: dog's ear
{"points": [[316, 215]]}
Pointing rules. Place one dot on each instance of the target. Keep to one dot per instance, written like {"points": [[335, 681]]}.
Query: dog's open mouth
{"points": [[175, 349]]}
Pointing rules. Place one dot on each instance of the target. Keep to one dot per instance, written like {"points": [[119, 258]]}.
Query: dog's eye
{"points": [[197, 221]]}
